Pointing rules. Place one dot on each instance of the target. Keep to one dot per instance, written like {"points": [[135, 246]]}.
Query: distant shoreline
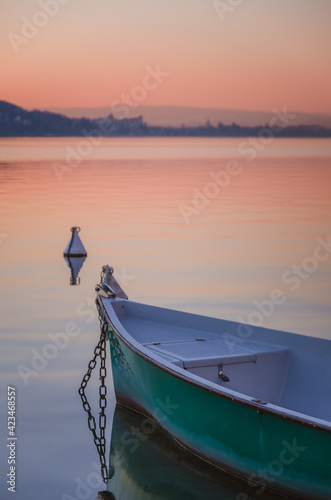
{"points": [[287, 133], [2, 137], [18, 122]]}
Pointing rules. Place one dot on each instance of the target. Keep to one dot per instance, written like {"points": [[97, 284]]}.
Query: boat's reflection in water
{"points": [[147, 464]]}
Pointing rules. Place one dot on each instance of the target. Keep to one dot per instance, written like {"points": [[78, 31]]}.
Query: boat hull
{"points": [[270, 451], [145, 463]]}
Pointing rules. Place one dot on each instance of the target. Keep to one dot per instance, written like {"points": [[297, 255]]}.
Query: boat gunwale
{"points": [[234, 396]]}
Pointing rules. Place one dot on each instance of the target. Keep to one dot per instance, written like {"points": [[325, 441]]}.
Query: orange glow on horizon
{"points": [[89, 56]]}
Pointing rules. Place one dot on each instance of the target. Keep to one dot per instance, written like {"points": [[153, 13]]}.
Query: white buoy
{"points": [[75, 247]]}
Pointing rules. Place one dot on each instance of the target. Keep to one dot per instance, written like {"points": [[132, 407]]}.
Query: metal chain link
{"points": [[99, 351]]}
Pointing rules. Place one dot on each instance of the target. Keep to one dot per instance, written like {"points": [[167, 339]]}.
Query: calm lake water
{"points": [[190, 224]]}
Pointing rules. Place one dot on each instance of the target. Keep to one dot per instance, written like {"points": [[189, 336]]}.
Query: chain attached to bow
{"points": [[99, 351]]}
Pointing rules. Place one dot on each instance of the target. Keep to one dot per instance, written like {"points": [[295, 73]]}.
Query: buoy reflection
{"points": [[75, 264]]}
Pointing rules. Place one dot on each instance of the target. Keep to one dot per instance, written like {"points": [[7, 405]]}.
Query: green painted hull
{"points": [[270, 451], [145, 463]]}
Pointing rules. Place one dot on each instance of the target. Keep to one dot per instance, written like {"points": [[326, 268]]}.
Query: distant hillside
{"points": [[19, 122]]}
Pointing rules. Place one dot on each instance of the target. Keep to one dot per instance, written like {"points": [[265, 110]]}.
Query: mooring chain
{"points": [[99, 351]]}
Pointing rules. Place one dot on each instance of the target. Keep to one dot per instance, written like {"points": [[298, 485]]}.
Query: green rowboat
{"points": [[252, 401]]}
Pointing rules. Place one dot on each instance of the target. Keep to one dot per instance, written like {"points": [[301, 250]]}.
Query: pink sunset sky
{"points": [[249, 54]]}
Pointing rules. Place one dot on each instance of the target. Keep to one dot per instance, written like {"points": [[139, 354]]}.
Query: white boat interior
{"points": [[288, 370]]}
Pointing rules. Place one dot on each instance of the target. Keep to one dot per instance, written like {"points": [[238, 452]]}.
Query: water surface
{"points": [[150, 208]]}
